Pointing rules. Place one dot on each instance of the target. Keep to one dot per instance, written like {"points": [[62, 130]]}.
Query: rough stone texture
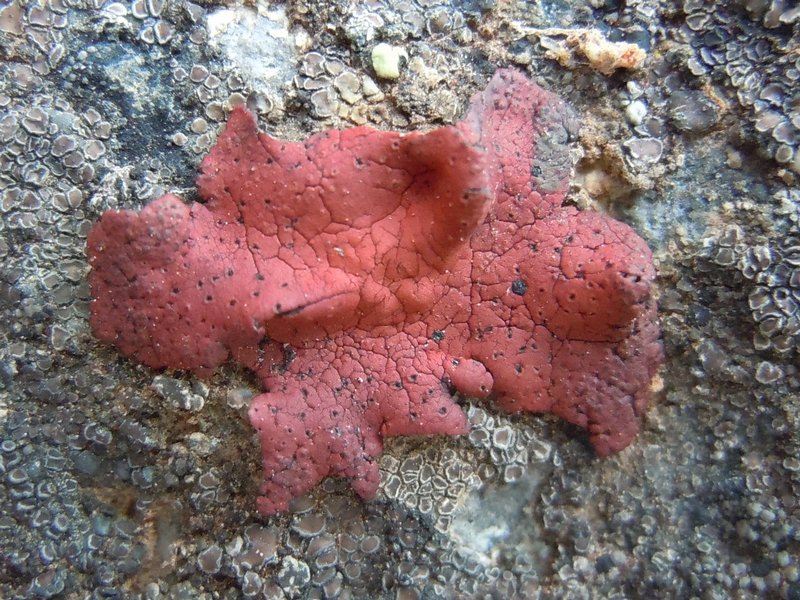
{"points": [[109, 489]]}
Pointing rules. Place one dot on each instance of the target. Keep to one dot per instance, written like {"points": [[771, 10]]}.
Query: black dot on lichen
{"points": [[519, 287], [437, 335]]}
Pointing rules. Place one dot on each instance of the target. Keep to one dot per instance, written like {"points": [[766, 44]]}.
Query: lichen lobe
{"points": [[388, 271]]}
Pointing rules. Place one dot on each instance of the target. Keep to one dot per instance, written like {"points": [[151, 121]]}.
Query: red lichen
{"points": [[365, 275]]}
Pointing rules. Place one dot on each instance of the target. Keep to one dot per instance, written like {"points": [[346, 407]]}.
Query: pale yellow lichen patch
{"points": [[386, 60], [605, 56], [570, 46]]}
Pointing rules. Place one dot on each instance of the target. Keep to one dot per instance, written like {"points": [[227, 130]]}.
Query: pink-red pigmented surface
{"points": [[365, 275]]}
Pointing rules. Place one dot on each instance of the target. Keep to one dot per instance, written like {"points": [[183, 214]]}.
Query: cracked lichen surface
{"points": [[367, 275]]}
